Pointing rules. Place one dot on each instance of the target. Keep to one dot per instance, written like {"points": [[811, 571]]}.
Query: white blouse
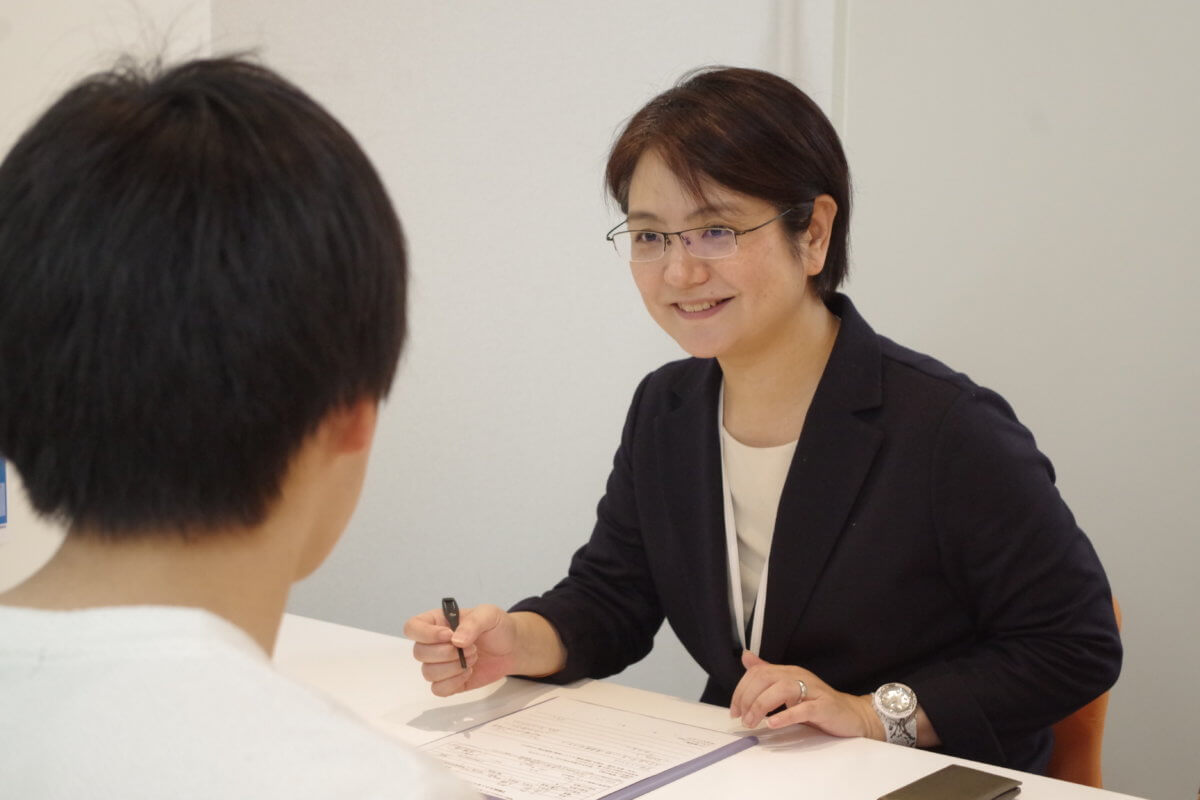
{"points": [[752, 480]]}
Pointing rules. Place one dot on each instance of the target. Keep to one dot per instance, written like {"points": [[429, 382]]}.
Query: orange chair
{"points": [[1078, 740]]}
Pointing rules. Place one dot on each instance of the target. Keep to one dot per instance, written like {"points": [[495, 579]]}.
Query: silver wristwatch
{"points": [[896, 705]]}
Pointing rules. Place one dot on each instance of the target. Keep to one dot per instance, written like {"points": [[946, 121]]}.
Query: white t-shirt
{"points": [[158, 702]]}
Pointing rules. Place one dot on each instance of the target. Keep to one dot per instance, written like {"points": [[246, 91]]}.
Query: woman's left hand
{"points": [[767, 686]]}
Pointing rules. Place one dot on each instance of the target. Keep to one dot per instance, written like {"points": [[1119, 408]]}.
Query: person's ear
{"points": [[350, 428], [817, 237]]}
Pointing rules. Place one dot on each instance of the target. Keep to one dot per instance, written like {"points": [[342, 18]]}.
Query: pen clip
{"points": [[450, 609]]}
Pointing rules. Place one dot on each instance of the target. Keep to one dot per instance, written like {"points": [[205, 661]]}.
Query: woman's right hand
{"points": [[488, 638]]}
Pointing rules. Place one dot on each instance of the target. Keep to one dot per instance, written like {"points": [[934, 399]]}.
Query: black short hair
{"points": [[752, 132], [197, 264]]}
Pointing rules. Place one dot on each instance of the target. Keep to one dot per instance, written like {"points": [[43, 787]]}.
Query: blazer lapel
{"points": [[690, 464], [832, 459]]}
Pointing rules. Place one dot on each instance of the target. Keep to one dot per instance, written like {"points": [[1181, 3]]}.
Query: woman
{"points": [[831, 523]]}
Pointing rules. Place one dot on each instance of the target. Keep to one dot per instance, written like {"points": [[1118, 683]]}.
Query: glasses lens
{"points": [[710, 242], [639, 245]]}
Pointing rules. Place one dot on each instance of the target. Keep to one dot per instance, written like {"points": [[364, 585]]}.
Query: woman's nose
{"points": [[682, 268]]}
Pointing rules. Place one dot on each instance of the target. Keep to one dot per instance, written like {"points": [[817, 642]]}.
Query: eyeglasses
{"points": [[707, 242]]}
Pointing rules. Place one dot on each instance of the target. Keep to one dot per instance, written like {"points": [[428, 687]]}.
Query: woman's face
{"points": [[737, 307]]}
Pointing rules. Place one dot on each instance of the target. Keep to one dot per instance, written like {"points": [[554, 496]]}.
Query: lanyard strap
{"points": [[734, 560]]}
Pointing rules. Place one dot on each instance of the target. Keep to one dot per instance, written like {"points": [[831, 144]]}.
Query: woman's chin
{"points": [[697, 349]]}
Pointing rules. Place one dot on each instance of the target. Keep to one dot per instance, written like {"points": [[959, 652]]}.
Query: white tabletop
{"points": [[375, 676]]}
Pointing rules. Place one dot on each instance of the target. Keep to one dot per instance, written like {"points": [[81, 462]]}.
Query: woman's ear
{"points": [[820, 228]]}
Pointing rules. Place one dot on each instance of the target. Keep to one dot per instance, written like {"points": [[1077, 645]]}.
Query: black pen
{"points": [[450, 609]]}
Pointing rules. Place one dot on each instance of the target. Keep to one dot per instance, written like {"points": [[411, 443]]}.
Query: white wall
{"points": [[44, 47], [1028, 190], [491, 123]]}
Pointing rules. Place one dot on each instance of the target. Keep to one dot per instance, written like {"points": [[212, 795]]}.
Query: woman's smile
{"points": [[700, 309]]}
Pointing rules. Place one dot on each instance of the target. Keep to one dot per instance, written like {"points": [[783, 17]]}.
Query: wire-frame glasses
{"points": [[713, 241]]}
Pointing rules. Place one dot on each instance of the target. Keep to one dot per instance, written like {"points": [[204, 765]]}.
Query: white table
{"points": [[375, 676]]}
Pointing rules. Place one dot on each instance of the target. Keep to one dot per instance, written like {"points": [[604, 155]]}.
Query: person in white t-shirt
{"points": [[203, 304]]}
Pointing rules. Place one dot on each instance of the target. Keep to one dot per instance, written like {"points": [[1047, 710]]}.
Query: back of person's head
{"points": [[197, 265], [749, 131]]}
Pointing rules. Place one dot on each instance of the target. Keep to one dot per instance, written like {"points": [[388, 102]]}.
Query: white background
{"points": [[1026, 188]]}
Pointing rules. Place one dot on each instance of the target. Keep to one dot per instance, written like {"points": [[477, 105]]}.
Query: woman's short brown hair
{"points": [[749, 131]]}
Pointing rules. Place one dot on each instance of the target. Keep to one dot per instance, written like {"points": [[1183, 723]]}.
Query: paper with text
{"points": [[564, 749]]}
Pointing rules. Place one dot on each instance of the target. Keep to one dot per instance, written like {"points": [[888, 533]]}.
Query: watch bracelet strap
{"points": [[901, 732], [897, 731]]}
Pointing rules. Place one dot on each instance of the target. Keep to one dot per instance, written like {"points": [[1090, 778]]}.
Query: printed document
{"points": [[565, 749]]}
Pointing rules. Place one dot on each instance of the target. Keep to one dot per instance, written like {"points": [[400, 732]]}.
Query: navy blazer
{"points": [[920, 538]]}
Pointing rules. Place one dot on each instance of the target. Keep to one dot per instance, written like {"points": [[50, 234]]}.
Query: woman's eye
{"points": [[716, 233], [647, 237]]}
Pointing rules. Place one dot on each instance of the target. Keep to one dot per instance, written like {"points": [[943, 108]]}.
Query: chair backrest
{"points": [[1079, 738]]}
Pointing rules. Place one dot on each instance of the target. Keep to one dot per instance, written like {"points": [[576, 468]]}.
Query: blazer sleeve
{"points": [[1047, 640], [606, 610]]}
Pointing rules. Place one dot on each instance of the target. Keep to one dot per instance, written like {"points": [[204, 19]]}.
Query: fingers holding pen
{"points": [[433, 629], [474, 623], [427, 628], [431, 634], [482, 636], [448, 677], [438, 659]]}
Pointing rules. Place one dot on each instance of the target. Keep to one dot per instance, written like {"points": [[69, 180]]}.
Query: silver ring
{"points": [[803, 690]]}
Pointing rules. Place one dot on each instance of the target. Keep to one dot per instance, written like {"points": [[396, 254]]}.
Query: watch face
{"points": [[896, 699]]}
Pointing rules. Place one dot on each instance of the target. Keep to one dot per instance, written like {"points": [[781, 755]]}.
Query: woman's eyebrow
{"points": [[645, 217], [719, 209], [706, 210]]}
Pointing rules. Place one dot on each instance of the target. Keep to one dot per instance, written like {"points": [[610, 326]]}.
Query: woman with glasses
{"points": [[841, 531]]}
